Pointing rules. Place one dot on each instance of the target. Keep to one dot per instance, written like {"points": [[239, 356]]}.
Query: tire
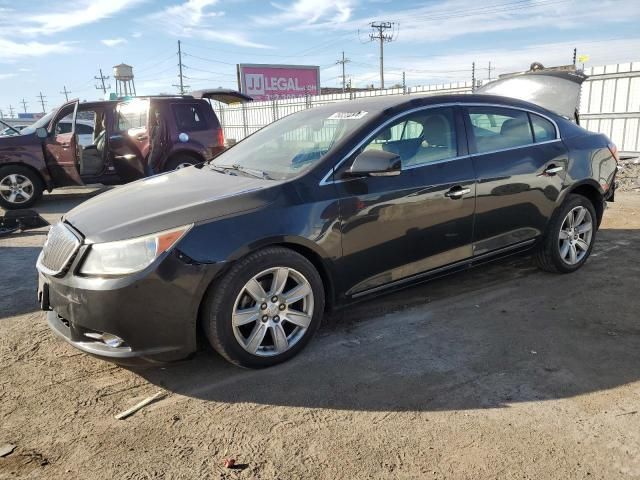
{"points": [[554, 253], [266, 321], [21, 184], [180, 161]]}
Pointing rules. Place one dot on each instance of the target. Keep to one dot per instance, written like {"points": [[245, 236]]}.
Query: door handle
{"points": [[551, 170], [142, 137], [457, 192]]}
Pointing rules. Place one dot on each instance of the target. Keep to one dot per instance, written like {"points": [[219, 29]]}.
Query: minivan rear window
{"points": [[189, 117]]}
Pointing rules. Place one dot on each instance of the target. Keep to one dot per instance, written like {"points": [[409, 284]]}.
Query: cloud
{"points": [[112, 42], [11, 51], [136, 34], [195, 19], [74, 14], [4, 76], [447, 19], [309, 12]]}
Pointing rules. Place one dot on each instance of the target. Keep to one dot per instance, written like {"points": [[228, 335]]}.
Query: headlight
{"points": [[129, 256]]}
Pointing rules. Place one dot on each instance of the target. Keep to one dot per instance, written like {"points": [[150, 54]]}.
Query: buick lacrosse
{"points": [[324, 207]]}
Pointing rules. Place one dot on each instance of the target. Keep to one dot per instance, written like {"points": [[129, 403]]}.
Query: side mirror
{"points": [[42, 133], [376, 163]]}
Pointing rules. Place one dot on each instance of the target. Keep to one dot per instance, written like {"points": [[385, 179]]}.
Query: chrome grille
{"points": [[58, 250]]}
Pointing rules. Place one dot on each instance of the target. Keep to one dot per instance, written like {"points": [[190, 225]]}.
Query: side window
{"points": [[82, 129], [132, 115], [420, 138], [543, 129], [64, 125], [189, 117], [496, 128]]}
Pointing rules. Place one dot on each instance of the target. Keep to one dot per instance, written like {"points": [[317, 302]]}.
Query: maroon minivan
{"points": [[110, 142]]}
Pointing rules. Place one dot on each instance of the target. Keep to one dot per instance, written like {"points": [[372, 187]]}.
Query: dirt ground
{"points": [[500, 372]]}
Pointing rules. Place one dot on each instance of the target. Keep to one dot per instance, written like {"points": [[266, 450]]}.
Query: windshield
{"points": [[290, 146], [43, 122]]}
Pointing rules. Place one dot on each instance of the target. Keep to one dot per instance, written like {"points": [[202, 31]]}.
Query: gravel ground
{"points": [[500, 372]]}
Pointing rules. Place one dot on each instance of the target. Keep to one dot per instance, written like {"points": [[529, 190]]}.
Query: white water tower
{"points": [[125, 86]]}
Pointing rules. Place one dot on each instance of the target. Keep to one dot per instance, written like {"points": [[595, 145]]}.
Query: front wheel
{"points": [[570, 237], [20, 187], [265, 309]]}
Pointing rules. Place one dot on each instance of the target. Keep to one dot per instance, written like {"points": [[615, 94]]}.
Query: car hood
{"points": [[558, 91], [169, 200]]}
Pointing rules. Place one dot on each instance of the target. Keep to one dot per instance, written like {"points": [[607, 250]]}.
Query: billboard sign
{"points": [[273, 82]]}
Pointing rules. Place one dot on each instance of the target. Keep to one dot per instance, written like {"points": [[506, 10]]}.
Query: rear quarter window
{"points": [[543, 129], [189, 117]]}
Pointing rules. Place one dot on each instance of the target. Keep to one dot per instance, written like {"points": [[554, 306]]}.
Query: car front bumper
{"points": [[153, 312]]}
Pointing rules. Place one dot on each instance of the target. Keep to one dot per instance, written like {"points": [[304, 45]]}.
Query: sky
{"points": [[47, 46]]}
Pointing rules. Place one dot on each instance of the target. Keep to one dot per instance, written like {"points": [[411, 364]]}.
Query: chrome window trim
{"points": [[326, 179]]}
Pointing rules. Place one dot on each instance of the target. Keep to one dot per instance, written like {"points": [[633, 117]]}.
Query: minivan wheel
{"points": [[265, 309], [20, 187], [181, 161], [570, 237]]}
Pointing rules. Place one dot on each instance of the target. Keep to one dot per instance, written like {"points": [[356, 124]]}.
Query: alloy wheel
{"points": [[16, 188], [575, 235], [273, 311]]}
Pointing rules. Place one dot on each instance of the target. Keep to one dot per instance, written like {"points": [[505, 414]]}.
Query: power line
{"points": [[102, 78], [24, 105], [42, 102], [343, 62], [65, 92], [381, 27], [11, 111]]}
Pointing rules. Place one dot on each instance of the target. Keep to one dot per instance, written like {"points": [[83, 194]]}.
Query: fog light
{"points": [[108, 339]]}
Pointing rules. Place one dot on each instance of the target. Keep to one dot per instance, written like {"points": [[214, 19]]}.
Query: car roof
{"points": [[397, 103]]}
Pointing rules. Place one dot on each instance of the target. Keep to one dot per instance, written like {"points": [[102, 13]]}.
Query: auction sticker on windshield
{"points": [[347, 115]]}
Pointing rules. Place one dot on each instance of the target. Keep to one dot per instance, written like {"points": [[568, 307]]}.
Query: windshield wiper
{"points": [[11, 127], [239, 168]]}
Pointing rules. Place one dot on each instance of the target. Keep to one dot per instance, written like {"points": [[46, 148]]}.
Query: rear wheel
{"points": [[20, 187], [570, 237], [265, 309], [180, 161]]}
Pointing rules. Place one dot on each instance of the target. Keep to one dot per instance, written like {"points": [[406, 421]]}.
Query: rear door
{"points": [[129, 142], [394, 228], [61, 147], [520, 163]]}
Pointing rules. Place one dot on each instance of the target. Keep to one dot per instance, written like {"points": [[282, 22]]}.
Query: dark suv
{"points": [[130, 139]]}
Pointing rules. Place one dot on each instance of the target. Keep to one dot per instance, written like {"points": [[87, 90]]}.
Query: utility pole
{"points": [[489, 71], [180, 65], [575, 54], [42, 102], [102, 87], [66, 92], [404, 83], [378, 34], [473, 77], [344, 78], [1, 113], [24, 105], [11, 111]]}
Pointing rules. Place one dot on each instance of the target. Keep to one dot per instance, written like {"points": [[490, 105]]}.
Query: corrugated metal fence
{"points": [[610, 103]]}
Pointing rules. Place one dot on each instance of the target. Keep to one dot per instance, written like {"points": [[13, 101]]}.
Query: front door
{"points": [[61, 147], [521, 164], [396, 227], [129, 143]]}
